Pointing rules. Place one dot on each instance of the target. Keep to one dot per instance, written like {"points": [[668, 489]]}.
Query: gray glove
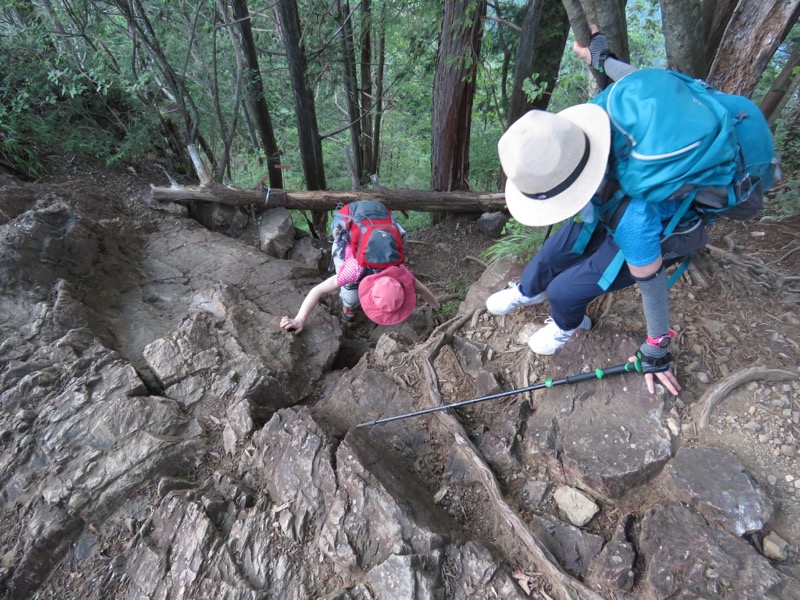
{"points": [[598, 49]]}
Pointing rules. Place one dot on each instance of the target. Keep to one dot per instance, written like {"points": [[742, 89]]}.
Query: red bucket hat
{"points": [[388, 297]]}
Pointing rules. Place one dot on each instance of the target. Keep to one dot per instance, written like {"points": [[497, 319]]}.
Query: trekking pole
{"points": [[635, 365]]}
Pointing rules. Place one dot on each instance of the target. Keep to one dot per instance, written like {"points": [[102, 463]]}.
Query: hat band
{"points": [[571, 178]]}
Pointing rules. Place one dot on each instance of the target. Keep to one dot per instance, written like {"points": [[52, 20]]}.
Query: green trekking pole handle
{"points": [[633, 366]]}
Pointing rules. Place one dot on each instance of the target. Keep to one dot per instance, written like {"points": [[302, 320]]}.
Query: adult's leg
{"points": [[556, 256], [571, 291]]}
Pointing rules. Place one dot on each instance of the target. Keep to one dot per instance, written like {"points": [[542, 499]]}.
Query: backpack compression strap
{"points": [[613, 269]]}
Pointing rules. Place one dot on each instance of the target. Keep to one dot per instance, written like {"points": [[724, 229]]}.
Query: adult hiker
{"points": [[634, 162], [368, 254]]}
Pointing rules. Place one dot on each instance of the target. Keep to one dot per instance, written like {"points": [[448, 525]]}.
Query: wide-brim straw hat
{"points": [[388, 297], [554, 162]]}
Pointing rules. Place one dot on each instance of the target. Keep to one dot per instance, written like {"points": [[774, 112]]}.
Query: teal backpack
{"points": [[674, 137]]}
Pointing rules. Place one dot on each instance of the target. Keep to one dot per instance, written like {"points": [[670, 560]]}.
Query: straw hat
{"points": [[388, 297], [554, 162]]}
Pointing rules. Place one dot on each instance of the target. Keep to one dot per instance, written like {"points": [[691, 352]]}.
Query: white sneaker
{"points": [[551, 337], [510, 298]]}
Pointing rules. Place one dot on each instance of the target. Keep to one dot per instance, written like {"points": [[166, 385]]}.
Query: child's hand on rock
{"points": [[293, 325]]}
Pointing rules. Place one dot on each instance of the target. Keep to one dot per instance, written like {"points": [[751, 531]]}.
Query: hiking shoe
{"points": [[551, 337], [505, 301], [348, 313]]}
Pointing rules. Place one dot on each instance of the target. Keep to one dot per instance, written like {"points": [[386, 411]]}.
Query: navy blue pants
{"points": [[572, 280]]}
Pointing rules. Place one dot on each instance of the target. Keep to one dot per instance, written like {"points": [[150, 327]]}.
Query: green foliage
{"points": [[518, 244], [91, 91], [484, 165], [50, 105], [784, 199], [534, 89], [414, 221], [645, 36]]}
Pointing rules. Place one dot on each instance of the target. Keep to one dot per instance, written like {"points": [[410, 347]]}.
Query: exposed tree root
{"points": [[506, 519], [761, 273], [720, 390]]}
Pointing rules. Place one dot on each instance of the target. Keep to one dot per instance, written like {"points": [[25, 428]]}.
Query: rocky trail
{"points": [[162, 437]]}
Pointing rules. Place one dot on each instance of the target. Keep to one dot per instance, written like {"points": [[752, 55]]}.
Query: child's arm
{"points": [[426, 294], [312, 299]]}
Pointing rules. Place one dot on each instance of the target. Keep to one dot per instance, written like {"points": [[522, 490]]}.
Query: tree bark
{"points": [[523, 65], [380, 31], [685, 35], [549, 49], [418, 200], [454, 92], [609, 16], [755, 30], [366, 92], [716, 14], [578, 21]]}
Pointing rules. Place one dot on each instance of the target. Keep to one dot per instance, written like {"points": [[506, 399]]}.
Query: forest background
{"points": [[339, 95]]}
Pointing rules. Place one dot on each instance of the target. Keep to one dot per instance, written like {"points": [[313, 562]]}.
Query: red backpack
{"points": [[375, 239]]}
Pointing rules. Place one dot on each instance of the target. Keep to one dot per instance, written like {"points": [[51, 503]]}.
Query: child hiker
{"points": [[368, 253]]}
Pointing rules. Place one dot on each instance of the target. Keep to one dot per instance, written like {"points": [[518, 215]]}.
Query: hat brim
{"points": [[594, 122], [375, 314]]}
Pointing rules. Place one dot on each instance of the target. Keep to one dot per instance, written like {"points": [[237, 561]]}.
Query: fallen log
{"points": [[418, 200]]}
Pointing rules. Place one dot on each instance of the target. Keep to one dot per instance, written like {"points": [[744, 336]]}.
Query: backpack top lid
{"points": [[362, 210], [668, 131], [375, 240]]}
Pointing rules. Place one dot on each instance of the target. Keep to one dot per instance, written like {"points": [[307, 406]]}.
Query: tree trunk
{"points": [[753, 34], [716, 15], [418, 200], [345, 30], [609, 16], [782, 89], [304, 107], [523, 65], [378, 112], [578, 21], [685, 35], [454, 92], [366, 92], [141, 29], [255, 92], [227, 132], [549, 50]]}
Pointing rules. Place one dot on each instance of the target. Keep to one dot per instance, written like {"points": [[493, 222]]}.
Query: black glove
{"points": [[598, 49], [654, 360]]}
